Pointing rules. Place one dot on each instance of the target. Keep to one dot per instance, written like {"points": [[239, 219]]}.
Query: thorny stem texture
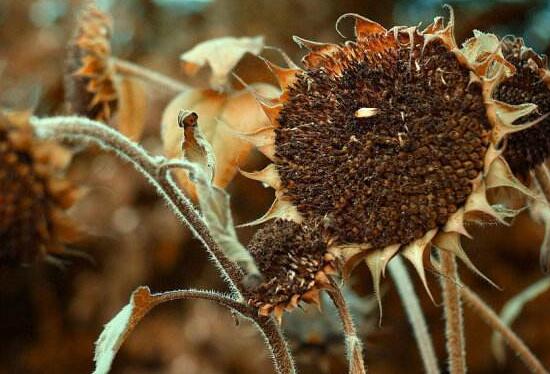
{"points": [[454, 325], [492, 319], [412, 307], [85, 130], [156, 79], [354, 347]]}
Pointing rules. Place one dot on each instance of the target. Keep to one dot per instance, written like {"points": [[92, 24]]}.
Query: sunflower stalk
{"points": [[454, 324], [84, 131], [354, 347], [512, 309], [491, 318], [410, 301], [156, 79]]}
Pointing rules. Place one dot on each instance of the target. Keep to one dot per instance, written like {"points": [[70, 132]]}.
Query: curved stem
{"points": [[454, 326], [88, 131], [150, 76], [412, 307], [83, 129], [282, 358], [491, 318], [354, 347]]}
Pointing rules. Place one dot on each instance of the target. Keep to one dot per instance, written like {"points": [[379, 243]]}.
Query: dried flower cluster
{"points": [[295, 264], [33, 195], [89, 82], [392, 140], [530, 84]]}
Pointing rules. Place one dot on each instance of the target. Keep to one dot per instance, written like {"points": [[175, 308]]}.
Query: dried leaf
{"points": [[213, 201], [219, 56], [132, 107], [118, 329], [221, 115]]}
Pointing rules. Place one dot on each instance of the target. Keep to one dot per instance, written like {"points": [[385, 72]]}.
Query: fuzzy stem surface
{"points": [[454, 324], [354, 347], [86, 130]]}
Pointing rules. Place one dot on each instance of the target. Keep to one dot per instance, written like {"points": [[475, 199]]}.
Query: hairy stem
{"points": [[412, 307], [492, 319], [150, 76], [280, 351], [454, 326], [85, 130], [354, 347], [78, 129], [281, 356]]}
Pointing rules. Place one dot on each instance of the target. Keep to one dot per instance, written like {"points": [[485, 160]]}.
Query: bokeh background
{"points": [[50, 317]]}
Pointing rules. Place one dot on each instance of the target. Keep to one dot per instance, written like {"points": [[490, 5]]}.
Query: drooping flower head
{"points": [[530, 84], [391, 140], [33, 195], [89, 83]]}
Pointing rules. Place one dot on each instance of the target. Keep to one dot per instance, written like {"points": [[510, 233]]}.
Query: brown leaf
{"points": [[216, 59], [220, 116], [132, 107]]}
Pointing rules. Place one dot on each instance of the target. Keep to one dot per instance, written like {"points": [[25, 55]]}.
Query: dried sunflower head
{"points": [[391, 140], [295, 265], [33, 197], [89, 81], [531, 84]]}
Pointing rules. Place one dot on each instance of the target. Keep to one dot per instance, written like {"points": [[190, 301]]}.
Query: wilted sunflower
{"points": [[89, 82], [531, 84], [391, 141], [33, 197], [295, 265]]}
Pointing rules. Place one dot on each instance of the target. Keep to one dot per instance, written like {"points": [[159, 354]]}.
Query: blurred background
{"points": [[50, 317]]}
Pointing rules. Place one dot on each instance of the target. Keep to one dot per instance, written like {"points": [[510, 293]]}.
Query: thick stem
{"points": [[281, 355], [150, 76], [454, 326], [491, 318], [354, 347], [403, 282], [83, 129]]}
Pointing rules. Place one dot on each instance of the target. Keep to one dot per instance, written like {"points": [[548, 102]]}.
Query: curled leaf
{"points": [[218, 57], [213, 201], [195, 148], [221, 116]]}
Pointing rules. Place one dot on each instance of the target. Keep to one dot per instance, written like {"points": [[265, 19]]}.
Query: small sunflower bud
{"points": [[292, 259]]}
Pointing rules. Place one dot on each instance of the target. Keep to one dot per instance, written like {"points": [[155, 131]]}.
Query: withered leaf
{"points": [[214, 202], [221, 115], [118, 329], [219, 56], [132, 110]]}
